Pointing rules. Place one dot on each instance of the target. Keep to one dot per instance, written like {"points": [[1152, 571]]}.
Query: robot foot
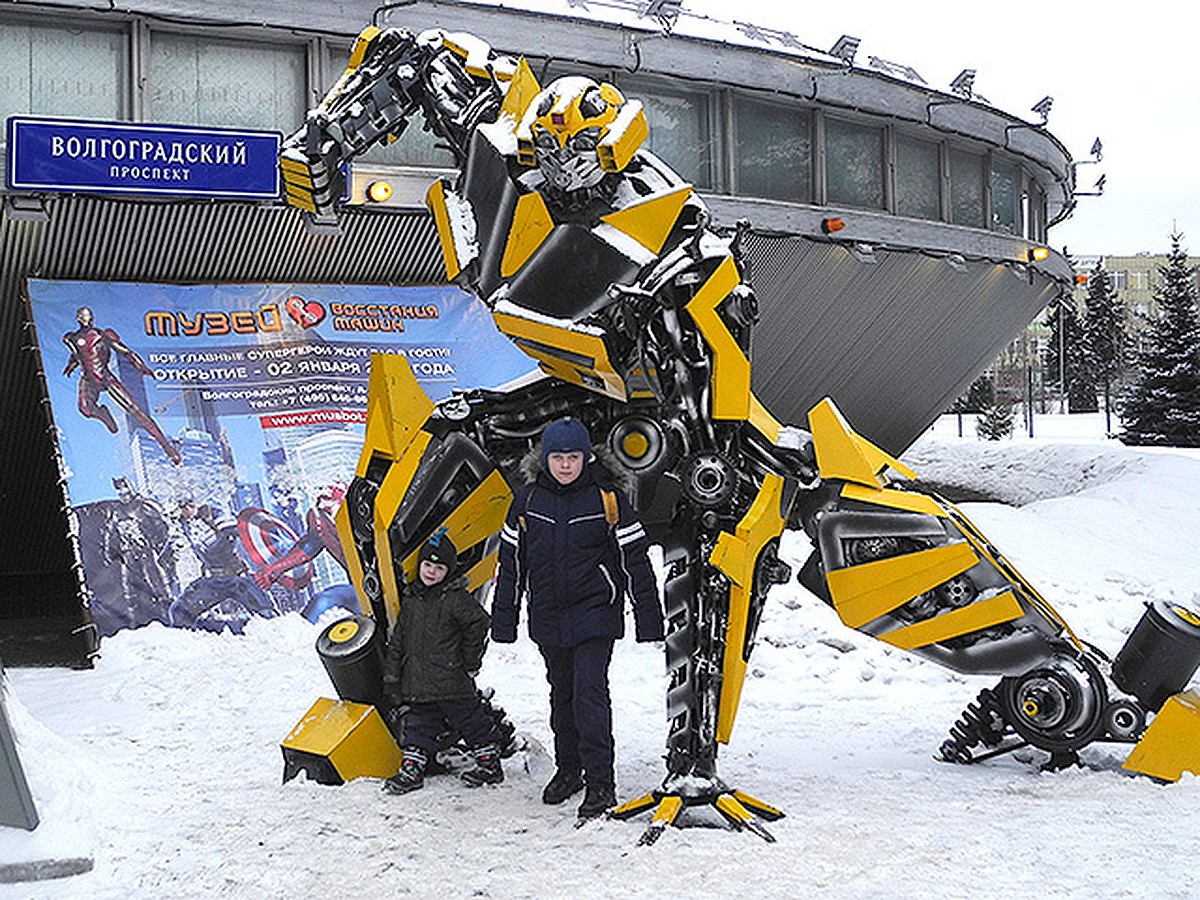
{"points": [[738, 808]]}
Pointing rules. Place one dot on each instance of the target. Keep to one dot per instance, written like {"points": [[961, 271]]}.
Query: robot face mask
{"points": [[571, 167], [576, 130]]}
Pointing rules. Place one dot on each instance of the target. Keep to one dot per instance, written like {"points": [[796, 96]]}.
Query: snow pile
{"points": [[165, 758]]}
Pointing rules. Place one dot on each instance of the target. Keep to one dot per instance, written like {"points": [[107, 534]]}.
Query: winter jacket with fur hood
{"points": [[437, 643], [558, 550]]}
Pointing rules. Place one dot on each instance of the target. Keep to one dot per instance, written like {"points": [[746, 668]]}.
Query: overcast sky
{"points": [[1126, 74]]}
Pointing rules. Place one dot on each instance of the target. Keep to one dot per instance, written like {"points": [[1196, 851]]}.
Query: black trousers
{"points": [[581, 709], [424, 722]]}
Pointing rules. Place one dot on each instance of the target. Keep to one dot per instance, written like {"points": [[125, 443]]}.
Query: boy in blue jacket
{"points": [[573, 546]]}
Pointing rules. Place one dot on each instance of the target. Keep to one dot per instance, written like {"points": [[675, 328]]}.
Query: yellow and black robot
{"points": [[597, 260]]}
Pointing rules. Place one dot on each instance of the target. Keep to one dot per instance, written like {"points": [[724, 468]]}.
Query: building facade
{"points": [[893, 224]]}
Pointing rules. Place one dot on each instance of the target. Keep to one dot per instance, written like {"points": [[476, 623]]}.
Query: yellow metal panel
{"points": [[1171, 745], [765, 810], [301, 199], [477, 518], [732, 809], [580, 352], [477, 56], [395, 485], [294, 166], [843, 454], [865, 592], [631, 808], [435, 199], [668, 810], [481, 573], [979, 615], [735, 555], [918, 503], [397, 407], [617, 149], [351, 735], [521, 91], [361, 45], [649, 222], [295, 173], [984, 548], [731, 369], [532, 224], [768, 426]]}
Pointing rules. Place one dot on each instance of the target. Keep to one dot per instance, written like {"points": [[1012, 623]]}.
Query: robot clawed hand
{"points": [[598, 261]]}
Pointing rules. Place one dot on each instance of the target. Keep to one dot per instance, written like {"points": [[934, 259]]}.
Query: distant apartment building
{"points": [[1134, 280]]}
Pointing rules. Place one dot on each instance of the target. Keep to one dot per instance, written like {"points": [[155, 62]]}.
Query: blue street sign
{"points": [[47, 154]]}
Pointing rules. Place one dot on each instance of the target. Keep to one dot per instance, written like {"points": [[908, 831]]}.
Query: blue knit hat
{"points": [[565, 436]]}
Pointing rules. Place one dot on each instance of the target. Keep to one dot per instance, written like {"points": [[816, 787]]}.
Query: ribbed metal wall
{"points": [[890, 362], [112, 239]]}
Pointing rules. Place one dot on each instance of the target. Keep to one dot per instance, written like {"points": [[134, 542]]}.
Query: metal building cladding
{"points": [[892, 224]]}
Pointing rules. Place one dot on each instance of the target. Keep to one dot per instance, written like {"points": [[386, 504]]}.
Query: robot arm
{"points": [[455, 81]]}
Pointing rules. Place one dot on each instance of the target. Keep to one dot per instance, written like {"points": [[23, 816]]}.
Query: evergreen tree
{"points": [[996, 422], [1104, 336], [979, 396], [1081, 386], [1066, 359], [1164, 405]]}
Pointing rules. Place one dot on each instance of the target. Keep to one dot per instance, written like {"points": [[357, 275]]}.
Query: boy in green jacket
{"points": [[435, 650]]}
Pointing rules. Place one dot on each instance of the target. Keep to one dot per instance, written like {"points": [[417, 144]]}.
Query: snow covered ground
{"points": [[163, 763]]}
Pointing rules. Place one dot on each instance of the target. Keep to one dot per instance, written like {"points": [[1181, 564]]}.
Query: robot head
{"points": [[576, 130], [84, 316]]}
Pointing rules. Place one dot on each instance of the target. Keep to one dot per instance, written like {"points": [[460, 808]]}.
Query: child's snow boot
{"points": [[487, 768], [411, 775]]}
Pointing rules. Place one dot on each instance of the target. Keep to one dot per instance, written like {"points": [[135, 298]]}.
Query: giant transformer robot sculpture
{"points": [[598, 261]]}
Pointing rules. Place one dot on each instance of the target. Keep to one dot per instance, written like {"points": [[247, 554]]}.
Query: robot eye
{"points": [[591, 104], [587, 139], [544, 139]]}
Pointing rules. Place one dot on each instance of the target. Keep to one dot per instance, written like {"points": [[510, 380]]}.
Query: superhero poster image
{"points": [[208, 432]]}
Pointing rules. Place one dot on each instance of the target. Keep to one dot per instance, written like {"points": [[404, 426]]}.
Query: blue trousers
{"points": [[581, 709]]}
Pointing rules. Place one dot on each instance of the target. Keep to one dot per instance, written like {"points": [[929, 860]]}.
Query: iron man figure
{"points": [[91, 349], [598, 261]]}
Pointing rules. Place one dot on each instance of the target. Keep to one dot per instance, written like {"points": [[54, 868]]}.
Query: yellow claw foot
{"points": [[738, 808]]}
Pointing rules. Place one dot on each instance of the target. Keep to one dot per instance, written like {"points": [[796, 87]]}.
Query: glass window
{"points": [[1006, 197], [966, 188], [773, 153], [1037, 213], [201, 81], [918, 178], [680, 133], [415, 147], [47, 70], [854, 164]]}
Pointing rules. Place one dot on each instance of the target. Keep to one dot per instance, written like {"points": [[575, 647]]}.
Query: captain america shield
{"points": [[267, 539]]}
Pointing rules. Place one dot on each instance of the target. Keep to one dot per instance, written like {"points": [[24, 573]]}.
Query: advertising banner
{"points": [[208, 432]]}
